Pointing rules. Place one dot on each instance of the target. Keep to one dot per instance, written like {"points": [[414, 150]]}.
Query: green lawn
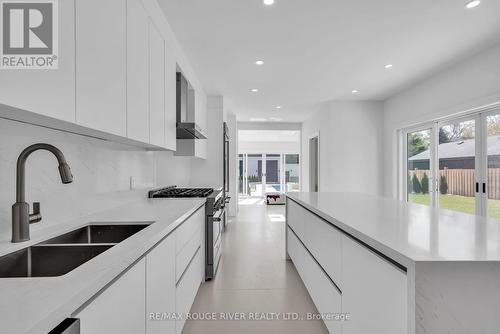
{"points": [[458, 203]]}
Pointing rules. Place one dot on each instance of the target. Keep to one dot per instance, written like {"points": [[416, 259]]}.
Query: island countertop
{"points": [[405, 232], [37, 305]]}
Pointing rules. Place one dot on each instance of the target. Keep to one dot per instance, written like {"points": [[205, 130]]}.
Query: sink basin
{"points": [[47, 261], [98, 234], [62, 254]]}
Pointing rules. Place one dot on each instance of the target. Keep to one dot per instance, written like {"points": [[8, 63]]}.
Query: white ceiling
{"points": [[319, 50]]}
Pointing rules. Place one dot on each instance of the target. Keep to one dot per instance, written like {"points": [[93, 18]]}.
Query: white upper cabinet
{"points": [[101, 65], [137, 72], [170, 98], [156, 87], [47, 92]]}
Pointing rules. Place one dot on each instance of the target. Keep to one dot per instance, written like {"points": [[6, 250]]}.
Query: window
{"points": [[455, 164]]}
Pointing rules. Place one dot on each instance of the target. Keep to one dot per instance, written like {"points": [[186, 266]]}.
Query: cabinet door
{"points": [[187, 287], [296, 252], [374, 292], [156, 87], [170, 97], [160, 286], [101, 65], [47, 92], [137, 72], [120, 308], [324, 293]]}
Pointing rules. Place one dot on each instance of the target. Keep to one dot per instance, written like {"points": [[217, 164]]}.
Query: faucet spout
{"points": [[21, 218]]}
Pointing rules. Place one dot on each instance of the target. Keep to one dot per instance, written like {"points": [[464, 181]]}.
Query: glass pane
{"points": [[457, 154], [493, 179], [254, 173], [291, 170], [273, 173], [418, 164]]}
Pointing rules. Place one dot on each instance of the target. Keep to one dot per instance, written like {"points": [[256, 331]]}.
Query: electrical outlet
{"points": [[133, 183]]}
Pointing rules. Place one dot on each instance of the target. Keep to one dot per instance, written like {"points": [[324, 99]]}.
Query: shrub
{"points": [[425, 184], [417, 187], [443, 185], [409, 185]]}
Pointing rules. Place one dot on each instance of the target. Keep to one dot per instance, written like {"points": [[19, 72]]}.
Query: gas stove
{"points": [[174, 192]]}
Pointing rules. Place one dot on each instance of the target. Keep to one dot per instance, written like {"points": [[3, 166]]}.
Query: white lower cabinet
{"points": [[187, 287], [324, 293], [148, 297], [374, 292], [120, 308], [160, 287], [296, 252], [344, 276]]}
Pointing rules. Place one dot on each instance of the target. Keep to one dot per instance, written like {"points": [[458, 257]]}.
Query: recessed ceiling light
{"points": [[259, 62], [354, 91], [275, 119], [254, 90], [388, 66], [255, 119], [472, 4], [278, 107], [268, 2]]}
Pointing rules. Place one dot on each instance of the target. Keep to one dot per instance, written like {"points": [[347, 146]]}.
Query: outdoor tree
{"points": [[417, 187], [417, 142], [443, 185], [425, 184]]}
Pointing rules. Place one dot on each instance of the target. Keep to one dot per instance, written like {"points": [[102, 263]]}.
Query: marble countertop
{"points": [[37, 305], [407, 233]]}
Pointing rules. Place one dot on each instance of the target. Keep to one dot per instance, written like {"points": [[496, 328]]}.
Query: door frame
{"points": [[318, 159]]}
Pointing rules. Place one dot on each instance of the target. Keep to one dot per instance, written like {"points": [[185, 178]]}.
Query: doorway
{"points": [[314, 163]]}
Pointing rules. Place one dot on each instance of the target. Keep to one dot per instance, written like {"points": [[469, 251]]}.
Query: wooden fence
{"points": [[462, 182]]}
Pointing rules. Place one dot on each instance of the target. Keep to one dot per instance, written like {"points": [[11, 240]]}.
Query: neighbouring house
{"points": [[458, 155]]}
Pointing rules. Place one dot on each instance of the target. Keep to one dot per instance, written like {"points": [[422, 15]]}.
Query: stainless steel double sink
{"points": [[62, 254]]}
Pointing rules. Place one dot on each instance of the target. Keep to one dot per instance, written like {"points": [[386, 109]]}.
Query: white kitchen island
{"points": [[394, 267]]}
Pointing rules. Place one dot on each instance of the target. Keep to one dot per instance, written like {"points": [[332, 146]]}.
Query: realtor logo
{"points": [[29, 34]]}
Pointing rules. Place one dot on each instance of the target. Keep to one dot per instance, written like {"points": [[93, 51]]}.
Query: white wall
{"points": [[268, 147], [350, 146], [467, 85]]}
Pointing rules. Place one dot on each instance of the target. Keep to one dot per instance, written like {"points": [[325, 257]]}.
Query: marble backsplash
{"points": [[101, 170]]}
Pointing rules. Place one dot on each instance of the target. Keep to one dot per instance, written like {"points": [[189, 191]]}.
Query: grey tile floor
{"points": [[254, 277]]}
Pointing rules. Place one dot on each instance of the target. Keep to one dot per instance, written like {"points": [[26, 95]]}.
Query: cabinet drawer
{"points": [[324, 293], [295, 217], [188, 229], [296, 252], [183, 258], [324, 242], [187, 288], [120, 308]]}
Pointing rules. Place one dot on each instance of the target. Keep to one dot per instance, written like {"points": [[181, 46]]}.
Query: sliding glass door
{"points": [[455, 164], [419, 166], [266, 173], [458, 174]]}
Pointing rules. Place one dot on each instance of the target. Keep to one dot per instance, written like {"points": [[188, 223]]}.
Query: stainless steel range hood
{"points": [[186, 123]]}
